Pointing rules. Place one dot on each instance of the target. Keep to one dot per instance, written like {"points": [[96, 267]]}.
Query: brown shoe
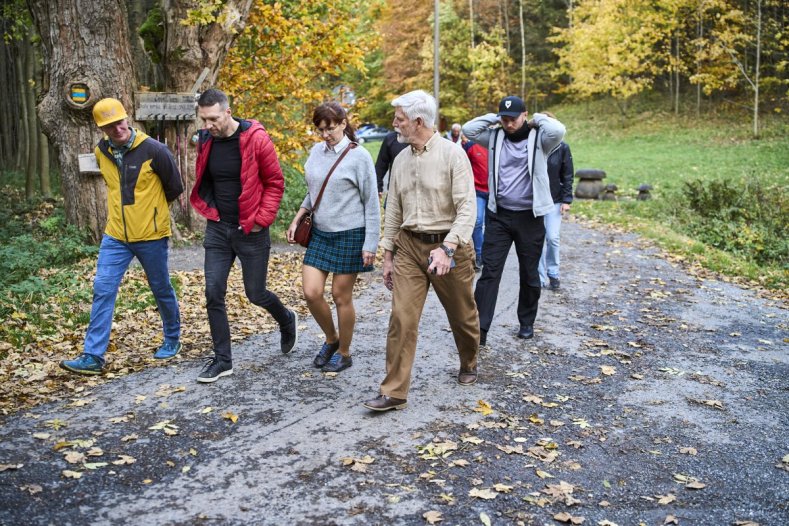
{"points": [[467, 377], [385, 403]]}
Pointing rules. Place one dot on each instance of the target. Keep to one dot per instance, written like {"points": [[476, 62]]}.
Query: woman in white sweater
{"points": [[345, 232]]}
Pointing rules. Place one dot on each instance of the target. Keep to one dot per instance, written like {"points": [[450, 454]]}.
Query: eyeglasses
{"points": [[328, 130]]}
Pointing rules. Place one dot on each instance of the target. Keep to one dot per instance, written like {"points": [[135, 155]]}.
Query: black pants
{"points": [[501, 230], [223, 243]]}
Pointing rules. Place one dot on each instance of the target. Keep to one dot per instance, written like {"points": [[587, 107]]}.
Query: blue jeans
{"points": [[114, 259], [478, 235], [549, 262], [223, 243]]}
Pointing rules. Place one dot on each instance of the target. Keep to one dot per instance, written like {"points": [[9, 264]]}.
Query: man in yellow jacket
{"points": [[142, 178]]}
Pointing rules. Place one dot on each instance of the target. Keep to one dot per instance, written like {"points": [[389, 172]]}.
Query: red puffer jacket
{"points": [[262, 183]]}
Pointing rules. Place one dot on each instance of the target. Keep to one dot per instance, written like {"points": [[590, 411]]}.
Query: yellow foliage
{"points": [[290, 58]]}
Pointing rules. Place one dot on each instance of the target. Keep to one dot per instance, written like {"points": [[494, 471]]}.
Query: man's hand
{"points": [[388, 270], [564, 208], [441, 262], [257, 228]]}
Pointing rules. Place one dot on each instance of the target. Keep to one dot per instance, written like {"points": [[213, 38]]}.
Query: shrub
{"points": [[745, 217]]}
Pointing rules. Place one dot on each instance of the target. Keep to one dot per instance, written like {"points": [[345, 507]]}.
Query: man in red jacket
{"points": [[478, 156], [238, 188]]}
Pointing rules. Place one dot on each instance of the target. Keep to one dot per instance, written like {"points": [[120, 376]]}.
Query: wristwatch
{"points": [[450, 252]]}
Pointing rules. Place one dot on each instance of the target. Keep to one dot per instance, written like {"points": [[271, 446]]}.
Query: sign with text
{"points": [[164, 106]]}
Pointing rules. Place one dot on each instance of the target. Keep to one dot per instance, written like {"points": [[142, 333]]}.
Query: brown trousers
{"points": [[411, 283]]}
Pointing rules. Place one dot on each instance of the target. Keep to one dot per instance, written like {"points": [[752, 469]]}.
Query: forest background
{"points": [[688, 96]]}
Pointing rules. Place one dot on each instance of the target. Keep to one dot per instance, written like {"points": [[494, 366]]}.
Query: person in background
{"points": [[238, 188], [453, 134], [560, 175], [390, 148], [345, 230], [478, 156], [519, 197], [142, 178], [428, 225]]}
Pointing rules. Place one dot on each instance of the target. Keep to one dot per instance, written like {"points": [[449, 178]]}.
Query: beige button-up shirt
{"points": [[431, 191]]}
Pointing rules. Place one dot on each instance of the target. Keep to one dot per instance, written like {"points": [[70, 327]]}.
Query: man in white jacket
{"points": [[519, 197]]}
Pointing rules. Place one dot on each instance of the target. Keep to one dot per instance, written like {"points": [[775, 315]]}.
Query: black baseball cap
{"points": [[511, 106]]}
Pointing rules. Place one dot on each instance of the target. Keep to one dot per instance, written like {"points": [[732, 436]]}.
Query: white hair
{"points": [[456, 126], [417, 104]]}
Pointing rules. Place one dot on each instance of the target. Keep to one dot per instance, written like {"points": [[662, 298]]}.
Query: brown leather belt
{"points": [[428, 238]]}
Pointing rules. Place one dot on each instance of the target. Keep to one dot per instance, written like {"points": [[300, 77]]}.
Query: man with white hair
{"points": [[430, 215], [453, 134]]}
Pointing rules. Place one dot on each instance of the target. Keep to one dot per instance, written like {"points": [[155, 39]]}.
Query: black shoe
{"points": [[325, 354], [483, 337], [478, 264], [526, 332], [467, 377], [213, 370], [289, 334], [337, 363], [554, 285]]}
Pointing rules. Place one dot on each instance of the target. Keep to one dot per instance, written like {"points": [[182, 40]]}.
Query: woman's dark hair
{"points": [[332, 113]]}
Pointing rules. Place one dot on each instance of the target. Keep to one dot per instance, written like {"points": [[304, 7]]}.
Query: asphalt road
{"points": [[648, 395]]}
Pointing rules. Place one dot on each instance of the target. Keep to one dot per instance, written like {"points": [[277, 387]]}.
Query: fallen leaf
{"points": [[688, 451], [32, 488], [94, 465], [185, 469], [41, 436], [229, 415], [482, 493], [128, 438], [56, 423], [606, 523], [566, 517], [206, 410], [695, 485], [471, 439], [484, 519], [666, 499], [483, 407], [123, 460], [432, 517], [74, 457], [607, 370], [502, 488], [745, 523], [670, 519], [8, 467], [95, 452], [459, 462], [543, 474], [71, 474]]}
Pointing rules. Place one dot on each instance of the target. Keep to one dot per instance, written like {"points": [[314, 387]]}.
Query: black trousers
{"points": [[501, 230], [223, 244]]}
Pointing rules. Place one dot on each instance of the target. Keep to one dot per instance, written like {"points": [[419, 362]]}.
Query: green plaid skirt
{"points": [[337, 252]]}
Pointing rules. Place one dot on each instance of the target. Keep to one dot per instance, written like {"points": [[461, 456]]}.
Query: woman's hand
{"points": [[368, 258], [293, 224]]}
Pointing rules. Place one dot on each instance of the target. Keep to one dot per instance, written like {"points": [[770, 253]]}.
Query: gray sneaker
{"points": [[554, 283]]}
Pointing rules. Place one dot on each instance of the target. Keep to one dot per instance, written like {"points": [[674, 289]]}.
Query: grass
{"points": [[667, 152]]}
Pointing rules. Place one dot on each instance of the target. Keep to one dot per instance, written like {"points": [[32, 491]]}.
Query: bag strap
{"points": [[320, 194]]}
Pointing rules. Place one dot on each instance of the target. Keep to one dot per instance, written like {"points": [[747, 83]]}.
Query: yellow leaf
{"points": [[229, 415], [94, 465], [41, 436], [128, 438], [543, 474], [206, 410], [185, 469], [74, 457], [502, 488], [566, 517], [483, 517], [483, 407], [71, 474]]}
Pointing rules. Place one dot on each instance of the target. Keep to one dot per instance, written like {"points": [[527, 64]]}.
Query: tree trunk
{"points": [[82, 41], [8, 123], [188, 50], [757, 72], [43, 164], [31, 177], [23, 145]]}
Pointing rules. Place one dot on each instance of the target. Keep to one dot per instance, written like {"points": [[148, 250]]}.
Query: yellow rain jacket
{"points": [[139, 188]]}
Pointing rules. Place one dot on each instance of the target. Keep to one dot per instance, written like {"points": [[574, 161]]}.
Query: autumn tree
{"points": [[292, 56]]}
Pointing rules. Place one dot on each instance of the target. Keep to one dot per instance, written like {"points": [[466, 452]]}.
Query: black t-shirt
{"points": [[224, 171]]}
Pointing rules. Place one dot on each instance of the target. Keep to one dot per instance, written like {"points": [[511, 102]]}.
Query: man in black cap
{"points": [[519, 196]]}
